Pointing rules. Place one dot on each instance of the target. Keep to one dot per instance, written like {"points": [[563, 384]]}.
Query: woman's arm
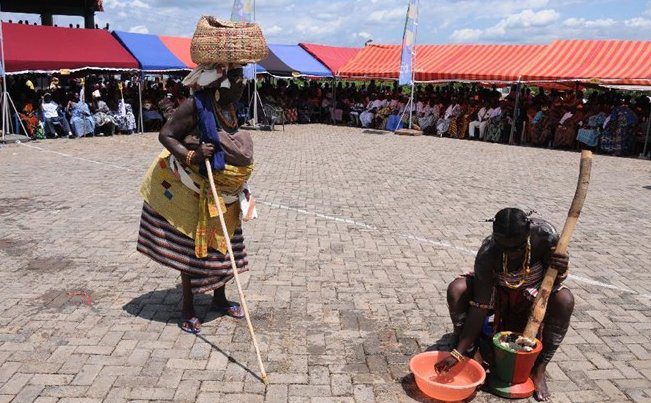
{"points": [[174, 131]]}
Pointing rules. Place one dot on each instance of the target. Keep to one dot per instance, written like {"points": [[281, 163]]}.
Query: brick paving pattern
{"points": [[359, 234]]}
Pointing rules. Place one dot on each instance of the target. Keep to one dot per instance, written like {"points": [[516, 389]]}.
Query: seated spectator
{"points": [[495, 126], [452, 112], [568, 127], [125, 118], [105, 124], [619, 135], [152, 119], [29, 118], [480, 123], [393, 122], [469, 114], [81, 119], [356, 109], [381, 116], [53, 118], [426, 117], [591, 127], [456, 126], [538, 125]]}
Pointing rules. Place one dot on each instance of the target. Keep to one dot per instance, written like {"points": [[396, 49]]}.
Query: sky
{"points": [[352, 23]]}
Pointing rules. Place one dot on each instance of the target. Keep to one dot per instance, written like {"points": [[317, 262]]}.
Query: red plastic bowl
{"points": [[458, 384]]}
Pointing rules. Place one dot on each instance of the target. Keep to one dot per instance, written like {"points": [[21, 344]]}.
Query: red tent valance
{"points": [[48, 49]]}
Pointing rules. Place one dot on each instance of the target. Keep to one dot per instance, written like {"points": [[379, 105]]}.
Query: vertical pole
{"points": [[646, 140], [515, 111], [411, 102], [334, 100], [413, 66], [255, 85], [140, 84], [5, 107], [255, 96]]}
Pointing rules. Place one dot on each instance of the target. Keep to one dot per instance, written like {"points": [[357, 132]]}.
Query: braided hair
{"points": [[511, 223]]}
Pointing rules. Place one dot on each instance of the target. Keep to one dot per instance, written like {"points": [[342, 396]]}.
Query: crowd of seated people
{"points": [[96, 106], [606, 121]]}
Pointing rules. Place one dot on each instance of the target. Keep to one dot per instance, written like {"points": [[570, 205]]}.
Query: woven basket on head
{"points": [[221, 42]]}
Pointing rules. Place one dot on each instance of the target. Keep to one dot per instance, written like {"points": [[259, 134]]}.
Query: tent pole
{"points": [[255, 85], [255, 95], [334, 100], [20, 122], [411, 103], [5, 108], [140, 84], [646, 140], [515, 111]]}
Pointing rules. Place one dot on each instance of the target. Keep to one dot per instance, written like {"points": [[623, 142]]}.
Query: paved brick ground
{"points": [[358, 236]]}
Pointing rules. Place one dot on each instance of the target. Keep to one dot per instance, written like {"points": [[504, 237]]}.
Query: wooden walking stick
{"points": [[234, 267], [540, 303]]}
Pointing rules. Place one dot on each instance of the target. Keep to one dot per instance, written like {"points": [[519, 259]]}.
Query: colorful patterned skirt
{"points": [[161, 242]]}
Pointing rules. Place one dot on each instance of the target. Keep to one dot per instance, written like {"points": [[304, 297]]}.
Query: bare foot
{"points": [[540, 381]]}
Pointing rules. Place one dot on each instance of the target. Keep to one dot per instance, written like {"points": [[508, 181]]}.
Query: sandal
{"points": [[233, 310], [192, 325]]}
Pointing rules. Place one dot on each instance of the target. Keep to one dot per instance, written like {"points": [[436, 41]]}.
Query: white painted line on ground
{"points": [[78, 158], [359, 224], [444, 244]]}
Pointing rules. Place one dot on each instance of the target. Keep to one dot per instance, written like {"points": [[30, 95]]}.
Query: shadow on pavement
{"points": [[165, 306]]}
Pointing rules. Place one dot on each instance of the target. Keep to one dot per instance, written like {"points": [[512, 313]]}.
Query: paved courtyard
{"points": [[358, 235]]}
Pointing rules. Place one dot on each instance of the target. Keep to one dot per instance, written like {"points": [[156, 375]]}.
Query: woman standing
{"points": [[179, 226]]}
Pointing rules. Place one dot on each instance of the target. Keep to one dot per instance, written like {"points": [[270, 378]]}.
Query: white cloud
{"points": [[364, 35], [352, 22], [139, 4], [388, 15], [522, 23], [125, 4], [638, 22], [273, 30], [530, 18], [466, 35], [139, 29], [114, 3], [582, 22]]}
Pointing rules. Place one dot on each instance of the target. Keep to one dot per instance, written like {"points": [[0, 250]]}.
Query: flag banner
{"points": [[250, 71], [242, 11], [408, 39]]}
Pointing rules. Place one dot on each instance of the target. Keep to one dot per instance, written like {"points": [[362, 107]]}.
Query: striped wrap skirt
{"points": [[163, 243]]}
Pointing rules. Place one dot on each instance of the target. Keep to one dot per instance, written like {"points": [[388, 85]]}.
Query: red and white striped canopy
{"points": [[607, 61], [489, 63], [485, 63], [613, 62], [374, 61]]}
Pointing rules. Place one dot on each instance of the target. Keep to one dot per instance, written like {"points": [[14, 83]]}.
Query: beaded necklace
{"points": [[526, 266]]}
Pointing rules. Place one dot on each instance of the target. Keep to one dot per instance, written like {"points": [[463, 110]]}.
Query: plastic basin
{"points": [[457, 384]]}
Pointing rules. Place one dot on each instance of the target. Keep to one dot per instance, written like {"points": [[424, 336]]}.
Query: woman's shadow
{"points": [[164, 306]]}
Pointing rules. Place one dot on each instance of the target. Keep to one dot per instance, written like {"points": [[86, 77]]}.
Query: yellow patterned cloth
{"points": [[195, 215]]}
